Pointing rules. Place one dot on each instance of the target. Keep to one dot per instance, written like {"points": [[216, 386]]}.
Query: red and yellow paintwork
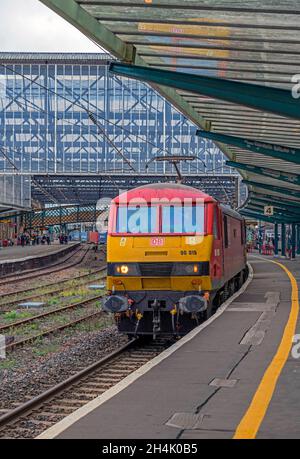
{"points": [[224, 263]]}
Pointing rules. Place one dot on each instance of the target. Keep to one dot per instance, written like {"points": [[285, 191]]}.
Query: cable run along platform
{"points": [[233, 377]]}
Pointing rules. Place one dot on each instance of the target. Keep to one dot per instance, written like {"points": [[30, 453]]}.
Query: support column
{"points": [[298, 240], [283, 240], [260, 241], [293, 241], [276, 240]]}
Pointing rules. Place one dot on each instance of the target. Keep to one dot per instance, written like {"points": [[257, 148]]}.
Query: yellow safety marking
{"points": [[251, 422]]}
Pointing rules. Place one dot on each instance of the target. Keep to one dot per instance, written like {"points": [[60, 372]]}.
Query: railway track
{"points": [[4, 304], [31, 418], [27, 339], [59, 266], [50, 284]]}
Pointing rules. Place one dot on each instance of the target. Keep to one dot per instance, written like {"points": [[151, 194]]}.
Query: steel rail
{"points": [[51, 292], [50, 313], [50, 284], [39, 400], [50, 331]]}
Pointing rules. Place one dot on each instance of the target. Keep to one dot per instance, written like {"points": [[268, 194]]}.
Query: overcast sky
{"points": [[28, 25]]}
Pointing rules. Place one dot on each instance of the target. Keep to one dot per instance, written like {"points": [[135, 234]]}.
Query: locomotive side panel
{"points": [[233, 246]]}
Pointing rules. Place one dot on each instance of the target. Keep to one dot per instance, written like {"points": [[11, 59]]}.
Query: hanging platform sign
{"points": [[269, 210]]}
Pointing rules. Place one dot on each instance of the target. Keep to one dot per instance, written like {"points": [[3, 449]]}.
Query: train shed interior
{"points": [[226, 75]]}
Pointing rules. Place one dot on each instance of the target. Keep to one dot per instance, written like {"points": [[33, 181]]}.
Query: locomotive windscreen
{"points": [[184, 219], [137, 219], [160, 219]]}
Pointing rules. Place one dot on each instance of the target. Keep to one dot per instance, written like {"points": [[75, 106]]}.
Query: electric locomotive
{"points": [[174, 254]]}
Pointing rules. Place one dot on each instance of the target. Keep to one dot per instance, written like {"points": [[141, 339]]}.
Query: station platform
{"points": [[232, 377], [18, 253], [18, 259]]}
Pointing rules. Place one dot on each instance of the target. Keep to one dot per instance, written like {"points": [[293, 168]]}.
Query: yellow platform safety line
{"points": [[254, 416]]}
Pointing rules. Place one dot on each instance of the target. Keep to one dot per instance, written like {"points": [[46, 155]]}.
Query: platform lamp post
{"points": [[260, 237], [276, 240], [283, 240], [293, 241]]}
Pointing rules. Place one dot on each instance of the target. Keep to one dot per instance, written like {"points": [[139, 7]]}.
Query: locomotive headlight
{"points": [[186, 269], [123, 269], [118, 269], [190, 269]]}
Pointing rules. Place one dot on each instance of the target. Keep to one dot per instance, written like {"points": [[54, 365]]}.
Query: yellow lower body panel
{"points": [[180, 283], [153, 283]]}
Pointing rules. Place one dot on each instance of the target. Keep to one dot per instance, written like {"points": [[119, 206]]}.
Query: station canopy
{"points": [[231, 67]]}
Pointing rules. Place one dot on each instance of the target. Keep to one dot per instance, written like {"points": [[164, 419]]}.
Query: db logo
{"points": [[157, 241]]}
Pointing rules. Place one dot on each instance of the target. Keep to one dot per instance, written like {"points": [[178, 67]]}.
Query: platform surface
{"points": [[204, 389], [17, 253]]}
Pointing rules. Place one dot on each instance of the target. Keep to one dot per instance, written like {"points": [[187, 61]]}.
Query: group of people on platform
{"points": [[63, 239], [26, 239]]}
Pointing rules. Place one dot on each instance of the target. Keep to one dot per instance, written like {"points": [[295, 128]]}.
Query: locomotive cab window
{"points": [[182, 219], [137, 219]]}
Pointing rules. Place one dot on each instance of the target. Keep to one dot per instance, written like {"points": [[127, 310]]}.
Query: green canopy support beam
{"points": [[260, 216], [274, 188], [278, 175], [268, 149], [281, 207], [278, 214], [270, 199], [260, 208], [267, 99], [72, 12]]}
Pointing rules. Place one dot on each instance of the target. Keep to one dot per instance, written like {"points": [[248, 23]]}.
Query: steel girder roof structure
{"points": [[87, 189], [227, 66], [45, 128]]}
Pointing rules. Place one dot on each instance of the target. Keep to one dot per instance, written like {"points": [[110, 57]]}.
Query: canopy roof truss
{"points": [[228, 42]]}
